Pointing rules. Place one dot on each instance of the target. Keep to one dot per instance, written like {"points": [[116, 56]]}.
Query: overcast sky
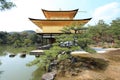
{"points": [[16, 19]]}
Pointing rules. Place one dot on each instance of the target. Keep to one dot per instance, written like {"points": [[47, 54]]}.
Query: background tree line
{"points": [[106, 35], [19, 39]]}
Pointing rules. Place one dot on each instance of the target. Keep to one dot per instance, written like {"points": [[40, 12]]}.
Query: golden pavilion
{"points": [[55, 21]]}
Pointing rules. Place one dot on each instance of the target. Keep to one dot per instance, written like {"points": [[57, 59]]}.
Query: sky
{"points": [[16, 19]]}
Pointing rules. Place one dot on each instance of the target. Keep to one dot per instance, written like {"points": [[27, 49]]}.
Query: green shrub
{"points": [[87, 49]]}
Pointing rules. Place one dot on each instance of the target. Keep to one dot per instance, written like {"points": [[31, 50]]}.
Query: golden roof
{"points": [[54, 26], [60, 14]]}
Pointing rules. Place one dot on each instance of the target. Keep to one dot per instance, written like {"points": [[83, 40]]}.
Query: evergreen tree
{"points": [[6, 4]]}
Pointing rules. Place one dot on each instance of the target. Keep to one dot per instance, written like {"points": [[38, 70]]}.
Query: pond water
{"points": [[97, 49], [100, 50], [14, 68]]}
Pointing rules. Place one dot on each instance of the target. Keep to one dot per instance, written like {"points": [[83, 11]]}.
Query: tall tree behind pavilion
{"points": [[6, 4]]}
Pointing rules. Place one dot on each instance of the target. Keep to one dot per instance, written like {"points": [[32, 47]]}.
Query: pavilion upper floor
{"points": [[60, 14]]}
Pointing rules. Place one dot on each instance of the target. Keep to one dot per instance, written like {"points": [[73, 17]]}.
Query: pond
{"points": [[100, 50], [14, 68], [97, 49]]}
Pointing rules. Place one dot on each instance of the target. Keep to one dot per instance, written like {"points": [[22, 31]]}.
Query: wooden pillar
{"points": [[51, 38], [42, 39], [46, 41]]}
